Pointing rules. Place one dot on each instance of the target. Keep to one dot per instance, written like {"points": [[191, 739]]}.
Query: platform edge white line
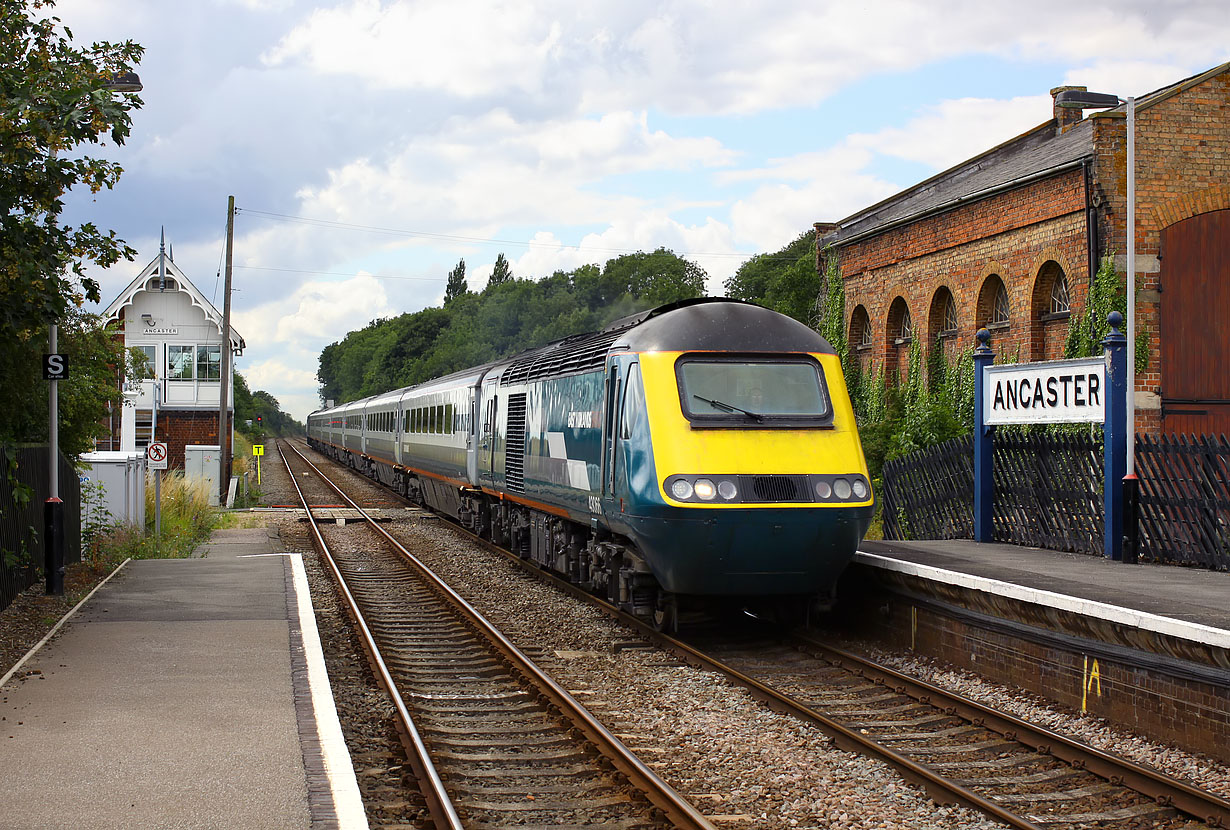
{"points": [[1197, 632], [347, 800]]}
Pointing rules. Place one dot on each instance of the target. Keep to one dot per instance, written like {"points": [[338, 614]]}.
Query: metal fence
{"points": [[929, 494], [1048, 494], [21, 517], [1185, 498]]}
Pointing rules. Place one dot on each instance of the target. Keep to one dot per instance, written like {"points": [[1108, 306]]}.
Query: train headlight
{"points": [[841, 488], [681, 489], [727, 490], [823, 490], [860, 489], [705, 489]]}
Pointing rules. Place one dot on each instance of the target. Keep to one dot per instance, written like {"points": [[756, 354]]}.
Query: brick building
{"points": [[1010, 240], [164, 315]]}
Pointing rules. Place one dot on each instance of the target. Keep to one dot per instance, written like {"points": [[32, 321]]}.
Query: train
{"points": [[704, 449]]}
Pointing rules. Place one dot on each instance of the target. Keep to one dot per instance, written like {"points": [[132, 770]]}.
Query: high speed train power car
{"points": [[705, 448]]}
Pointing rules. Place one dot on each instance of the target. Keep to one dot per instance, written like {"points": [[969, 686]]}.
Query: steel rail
{"points": [[937, 787], [674, 806], [438, 801], [1162, 788], [1158, 786]]}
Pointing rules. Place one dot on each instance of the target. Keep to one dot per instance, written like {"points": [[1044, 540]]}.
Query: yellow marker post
{"points": [[257, 451]]}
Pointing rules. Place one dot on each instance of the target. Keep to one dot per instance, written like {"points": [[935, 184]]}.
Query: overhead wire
{"points": [[472, 240]]}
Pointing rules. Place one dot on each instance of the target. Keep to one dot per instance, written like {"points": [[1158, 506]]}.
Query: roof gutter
{"points": [[961, 201]]}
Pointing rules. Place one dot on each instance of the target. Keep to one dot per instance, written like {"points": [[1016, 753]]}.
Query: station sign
{"points": [[55, 366], [1050, 392], [156, 454]]}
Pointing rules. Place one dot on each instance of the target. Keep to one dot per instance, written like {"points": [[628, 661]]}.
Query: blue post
{"points": [[984, 484], [1114, 438]]}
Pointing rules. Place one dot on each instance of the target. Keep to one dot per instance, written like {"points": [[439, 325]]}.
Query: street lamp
{"points": [[1080, 99], [53, 510]]}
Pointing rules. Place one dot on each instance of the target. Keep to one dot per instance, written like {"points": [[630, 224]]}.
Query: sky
{"points": [[371, 144]]}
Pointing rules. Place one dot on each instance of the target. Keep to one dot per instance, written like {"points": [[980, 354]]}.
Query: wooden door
{"points": [[1195, 335]]}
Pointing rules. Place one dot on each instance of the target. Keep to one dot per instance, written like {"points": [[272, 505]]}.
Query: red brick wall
{"points": [[1182, 169], [182, 427], [1011, 235]]}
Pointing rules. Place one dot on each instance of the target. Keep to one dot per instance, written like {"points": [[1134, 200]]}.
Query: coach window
{"points": [[449, 426]]}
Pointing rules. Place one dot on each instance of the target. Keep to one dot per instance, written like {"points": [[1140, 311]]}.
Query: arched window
{"points": [[942, 318], [905, 333], [860, 328], [1059, 295], [1000, 311]]}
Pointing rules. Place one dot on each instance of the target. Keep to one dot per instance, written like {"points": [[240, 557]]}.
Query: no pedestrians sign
{"points": [[156, 455]]}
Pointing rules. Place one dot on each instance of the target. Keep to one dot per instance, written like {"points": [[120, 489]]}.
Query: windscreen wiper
{"points": [[729, 408]]}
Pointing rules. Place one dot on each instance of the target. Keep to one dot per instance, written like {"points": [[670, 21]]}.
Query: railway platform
{"points": [[1144, 645], [182, 693]]}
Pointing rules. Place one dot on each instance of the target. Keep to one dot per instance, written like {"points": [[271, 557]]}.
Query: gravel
{"points": [[741, 763]]}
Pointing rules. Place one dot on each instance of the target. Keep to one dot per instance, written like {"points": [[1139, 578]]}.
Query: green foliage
{"points": [[934, 404], [187, 520], [84, 398], [831, 309], [249, 406], [786, 281], [507, 317], [502, 271], [53, 98], [456, 283], [1107, 293]]}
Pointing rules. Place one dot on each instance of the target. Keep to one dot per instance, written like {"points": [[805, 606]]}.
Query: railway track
{"points": [[493, 741], [961, 751], [958, 750]]}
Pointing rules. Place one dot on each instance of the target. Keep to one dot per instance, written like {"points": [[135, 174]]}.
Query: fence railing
{"points": [[929, 494], [21, 520], [1048, 494], [1185, 498]]}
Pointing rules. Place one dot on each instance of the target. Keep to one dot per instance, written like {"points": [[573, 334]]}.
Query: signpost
{"points": [[1089, 390], [156, 456], [257, 451]]}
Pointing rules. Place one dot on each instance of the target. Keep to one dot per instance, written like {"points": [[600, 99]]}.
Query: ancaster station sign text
{"points": [[1054, 391]]}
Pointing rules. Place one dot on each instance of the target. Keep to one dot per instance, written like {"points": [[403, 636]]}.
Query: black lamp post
{"points": [[53, 509]]}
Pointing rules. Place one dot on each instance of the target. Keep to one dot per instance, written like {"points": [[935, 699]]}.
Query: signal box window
{"points": [[179, 362], [208, 362]]}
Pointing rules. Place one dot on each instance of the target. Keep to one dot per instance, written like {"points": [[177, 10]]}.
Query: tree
{"points": [[55, 97], [456, 283], [502, 272], [785, 281]]}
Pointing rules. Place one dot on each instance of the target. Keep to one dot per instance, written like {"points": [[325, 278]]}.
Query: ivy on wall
{"points": [[1107, 293]]}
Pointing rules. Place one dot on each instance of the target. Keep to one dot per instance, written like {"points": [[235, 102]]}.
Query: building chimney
{"points": [[1066, 117]]}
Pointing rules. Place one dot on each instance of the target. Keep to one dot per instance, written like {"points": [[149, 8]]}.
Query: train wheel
{"points": [[666, 613]]}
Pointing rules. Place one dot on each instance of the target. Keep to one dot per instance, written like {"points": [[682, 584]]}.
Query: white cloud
{"points": [[464, 47], [951, 131]]}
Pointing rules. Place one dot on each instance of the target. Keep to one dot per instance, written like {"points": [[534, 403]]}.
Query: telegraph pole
{"points": [[224, 373]]}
